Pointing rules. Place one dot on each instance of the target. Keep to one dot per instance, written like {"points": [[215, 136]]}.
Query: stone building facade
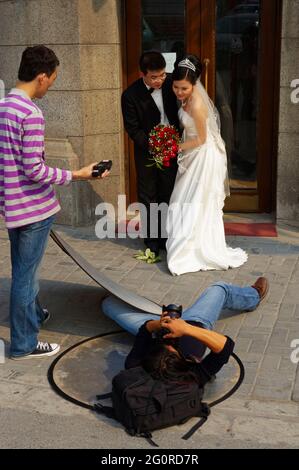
{"points": [[288, 153], [82, 109]]}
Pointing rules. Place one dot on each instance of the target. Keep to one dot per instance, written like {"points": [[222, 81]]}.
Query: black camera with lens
{"points": [[172, 311]]}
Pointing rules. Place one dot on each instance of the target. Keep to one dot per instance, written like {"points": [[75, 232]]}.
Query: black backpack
{"points": [[143, 404]]}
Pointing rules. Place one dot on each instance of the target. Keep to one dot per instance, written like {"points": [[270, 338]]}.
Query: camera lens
{"points": [[173, 310]]}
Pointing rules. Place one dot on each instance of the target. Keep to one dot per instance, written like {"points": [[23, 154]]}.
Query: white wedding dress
{"points": [[195, 229]]}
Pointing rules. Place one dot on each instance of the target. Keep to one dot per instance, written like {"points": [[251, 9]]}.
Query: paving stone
{"points": [[243, 345], [258, 346], [287, 311], [252, 358], [267, 321], [283, 391], [252, 320], [279, 336], [244, 391], [284, 352], [292, 292], [286, 432], [255, 333], [286, 365], [295, 394], [271, 362]]}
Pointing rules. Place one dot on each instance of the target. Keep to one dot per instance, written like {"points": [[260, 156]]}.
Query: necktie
{"points": [[151, 90]]}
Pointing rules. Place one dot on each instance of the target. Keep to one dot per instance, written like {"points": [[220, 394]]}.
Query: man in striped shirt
{"points": [[27, 198]]}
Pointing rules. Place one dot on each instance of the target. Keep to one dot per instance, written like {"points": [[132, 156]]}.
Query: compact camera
{"points": [[100, 167]]}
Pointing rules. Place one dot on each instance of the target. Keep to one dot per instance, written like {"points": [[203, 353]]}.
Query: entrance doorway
{"points": [[238, 42]]}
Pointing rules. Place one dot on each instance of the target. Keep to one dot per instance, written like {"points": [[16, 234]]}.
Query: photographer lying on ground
{"points": [[179, 353]]}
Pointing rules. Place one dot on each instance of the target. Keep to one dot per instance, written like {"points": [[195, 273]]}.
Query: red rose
{"points": [[163, 145]]}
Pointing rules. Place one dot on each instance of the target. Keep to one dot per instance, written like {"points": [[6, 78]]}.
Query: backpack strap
{"points": [[149, 439], [194, 428], [104, 396], [204, 413], [219, 400], [236, 386], [106, 410], [148, 435]]}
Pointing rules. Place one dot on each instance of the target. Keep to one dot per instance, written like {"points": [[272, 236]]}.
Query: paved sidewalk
{"points": [[263, 413]]}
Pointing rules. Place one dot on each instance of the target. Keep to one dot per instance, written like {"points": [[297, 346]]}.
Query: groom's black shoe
{"points": [[162, 243], [153, 246]]}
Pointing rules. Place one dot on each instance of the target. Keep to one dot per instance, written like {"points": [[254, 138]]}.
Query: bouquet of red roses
{"points": [[163, 145]]}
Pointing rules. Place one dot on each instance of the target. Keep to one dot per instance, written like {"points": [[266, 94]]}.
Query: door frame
{"points": [[200, 20]]}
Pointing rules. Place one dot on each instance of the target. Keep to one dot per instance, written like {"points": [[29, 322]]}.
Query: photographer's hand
{"points": [[85, 173], [176, 326], [153, 325]]}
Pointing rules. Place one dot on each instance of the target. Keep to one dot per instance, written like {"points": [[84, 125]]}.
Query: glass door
{"points": [[237, 78], [163, 27], [246, 69], [151, 25]]}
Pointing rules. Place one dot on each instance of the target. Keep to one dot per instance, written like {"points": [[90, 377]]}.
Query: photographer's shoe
{"points": [[262, 286], [42, 350]]}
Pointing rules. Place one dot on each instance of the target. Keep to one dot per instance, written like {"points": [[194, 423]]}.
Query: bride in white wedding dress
{"points": [[195, 229]]}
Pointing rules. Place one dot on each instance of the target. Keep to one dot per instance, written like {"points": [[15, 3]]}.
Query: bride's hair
{"points": [[189, 68]]}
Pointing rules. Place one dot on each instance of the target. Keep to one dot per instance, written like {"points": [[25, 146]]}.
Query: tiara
{"points": [[187, 64]]}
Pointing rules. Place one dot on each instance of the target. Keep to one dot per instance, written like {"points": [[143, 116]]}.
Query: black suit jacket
{"points": [[141, 114]]}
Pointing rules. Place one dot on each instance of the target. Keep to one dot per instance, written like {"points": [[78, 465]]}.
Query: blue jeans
{"points": [[206, 309], [27, 247]]}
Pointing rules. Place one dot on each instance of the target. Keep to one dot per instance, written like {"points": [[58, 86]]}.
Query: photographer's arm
{"points": [[178, 327], [221, 346], [142, 343]]}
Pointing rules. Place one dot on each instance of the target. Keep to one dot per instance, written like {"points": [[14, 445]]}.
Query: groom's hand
{"points": [[85, 173]]}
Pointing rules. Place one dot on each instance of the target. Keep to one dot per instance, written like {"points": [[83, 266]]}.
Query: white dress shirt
{"points": [[158, 99]]}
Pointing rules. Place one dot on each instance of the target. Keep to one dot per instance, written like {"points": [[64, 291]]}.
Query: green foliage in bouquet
{"points": [[148, 256]]}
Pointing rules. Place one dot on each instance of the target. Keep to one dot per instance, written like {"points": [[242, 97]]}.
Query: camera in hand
{"points": [[173, 311], [101, 167]]}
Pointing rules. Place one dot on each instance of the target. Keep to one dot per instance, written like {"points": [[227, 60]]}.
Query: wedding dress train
{"points": [[195, 229]]}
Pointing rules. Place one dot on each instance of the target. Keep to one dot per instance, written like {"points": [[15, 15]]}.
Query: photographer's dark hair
{"points": [[163, 364], [36, 60], [185, 73], [151, 61]]}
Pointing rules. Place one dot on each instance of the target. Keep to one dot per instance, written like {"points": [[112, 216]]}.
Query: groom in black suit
{"points": [[147, 102]]}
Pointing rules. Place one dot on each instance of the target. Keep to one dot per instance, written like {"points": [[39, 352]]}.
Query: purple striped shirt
{"points": [[26, 192]]}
